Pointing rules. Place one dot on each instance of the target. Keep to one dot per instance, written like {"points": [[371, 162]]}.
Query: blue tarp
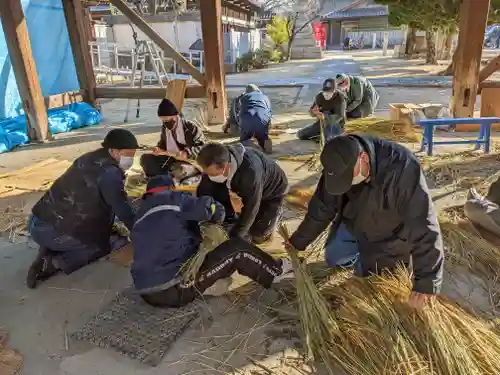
{"points": [[56, 71]]}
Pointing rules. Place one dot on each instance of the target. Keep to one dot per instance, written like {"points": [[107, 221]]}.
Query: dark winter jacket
{"points": [[392, 216], [257, 179], [360, 89], [195, 139], [165, 235], [255, 105], [82, 202], [335, 107]]}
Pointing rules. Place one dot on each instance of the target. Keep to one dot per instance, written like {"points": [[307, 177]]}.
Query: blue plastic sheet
{"points": [[56, 71]]}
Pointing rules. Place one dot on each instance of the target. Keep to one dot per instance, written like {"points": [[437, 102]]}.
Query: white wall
{"points": [[187, 33], [395, 36]]}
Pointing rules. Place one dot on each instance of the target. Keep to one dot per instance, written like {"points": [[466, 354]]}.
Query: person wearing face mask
{"points": [[375, 195], [180, 140], [361, 97], [258, 180], [72, 223], [328, 107]]}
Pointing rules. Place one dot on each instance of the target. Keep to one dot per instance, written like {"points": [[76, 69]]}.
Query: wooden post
{"points": [[467, 59], [490, 68], [78, 31], [176, 92], [156, 38], [19, 46], [211, 27]]}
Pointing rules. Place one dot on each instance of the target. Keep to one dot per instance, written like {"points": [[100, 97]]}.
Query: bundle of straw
{"points": [[212, 236], [383, 128], [316, 321]]}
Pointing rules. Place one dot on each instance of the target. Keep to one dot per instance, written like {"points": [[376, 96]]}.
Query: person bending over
{"points": [[258, 180], [361, 97], [72, 223], [376, 195], [159, 254]]}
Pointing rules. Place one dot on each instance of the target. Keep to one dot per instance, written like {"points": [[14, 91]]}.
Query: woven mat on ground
{"points": [[137, 330], [11, 361]]}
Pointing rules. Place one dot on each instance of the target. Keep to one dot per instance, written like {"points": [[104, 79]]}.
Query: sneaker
{"points": [[41, 269], [286, 270], [219, 288], [268, 146]]}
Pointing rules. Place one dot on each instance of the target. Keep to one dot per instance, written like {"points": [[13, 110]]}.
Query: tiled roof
{"points": [[357, 13]]}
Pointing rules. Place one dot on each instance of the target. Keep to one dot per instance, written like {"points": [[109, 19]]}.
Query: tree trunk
{"points": [[431, 47], [289, 48], [411, 41]]}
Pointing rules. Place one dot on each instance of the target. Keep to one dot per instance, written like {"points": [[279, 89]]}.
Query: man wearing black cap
{"points": [[328, 107], [375, 194], [180, 139], [73, 221], [361, 97]]}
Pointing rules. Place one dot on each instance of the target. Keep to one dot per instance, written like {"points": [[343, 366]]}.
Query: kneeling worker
{"points": [[73, 221], [361, 97], [377, 194], [258, 180], [255, 117], [159, 254], [328, 107]]}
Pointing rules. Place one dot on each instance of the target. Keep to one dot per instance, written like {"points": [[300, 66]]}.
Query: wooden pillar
{"points": [[211, 26], [77, 23], [19, 46], [473, 17]]}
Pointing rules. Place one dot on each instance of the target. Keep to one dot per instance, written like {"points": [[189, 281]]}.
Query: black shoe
{"points": [[41, 269]]}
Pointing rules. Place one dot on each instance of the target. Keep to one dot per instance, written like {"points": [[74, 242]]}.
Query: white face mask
{"points": [[219, 178], [359, 178], [327, 95], [126, 162]]}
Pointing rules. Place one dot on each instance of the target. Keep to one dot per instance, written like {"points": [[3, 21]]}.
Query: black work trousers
{"points": [[229, 257], [267, 219]]}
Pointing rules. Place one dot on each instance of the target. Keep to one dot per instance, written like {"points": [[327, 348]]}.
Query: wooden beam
{"points": [[211, 27], [21, 56], [170, 51], [176, 92], [490, 68], [78, 30], [65, 98], [145, 92], [473, 17]]}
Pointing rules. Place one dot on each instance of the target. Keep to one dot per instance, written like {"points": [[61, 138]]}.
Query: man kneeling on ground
{"points": [[159, 254], [374, 194], [329, 108], [73, 221], [361, 97], [258, 180]]}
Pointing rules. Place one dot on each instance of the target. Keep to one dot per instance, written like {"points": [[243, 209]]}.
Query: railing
{"points": [[113, 64]]}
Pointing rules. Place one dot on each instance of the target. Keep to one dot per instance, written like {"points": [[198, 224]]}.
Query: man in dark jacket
{"points": [[361, 97], [255, 117], [255, 178], [73, 221], [376, 195], [180, 140], [329, 109], [159, 254]]}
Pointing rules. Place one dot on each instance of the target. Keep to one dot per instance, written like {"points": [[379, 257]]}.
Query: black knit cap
{"points": [[120, 139], [329, 85], [167, 108], [339, 158]]}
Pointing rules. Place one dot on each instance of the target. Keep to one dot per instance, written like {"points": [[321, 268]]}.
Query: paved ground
{"points": [[233, 332]]}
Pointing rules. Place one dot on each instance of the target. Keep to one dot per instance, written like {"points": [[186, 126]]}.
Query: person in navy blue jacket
{"points": [[255, 117], [166, 235]]}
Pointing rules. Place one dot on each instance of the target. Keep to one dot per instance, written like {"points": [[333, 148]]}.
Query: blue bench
{"points": [[483, 138]]}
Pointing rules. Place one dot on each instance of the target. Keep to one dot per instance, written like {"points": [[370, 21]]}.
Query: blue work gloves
{"points": [[218, 213]]}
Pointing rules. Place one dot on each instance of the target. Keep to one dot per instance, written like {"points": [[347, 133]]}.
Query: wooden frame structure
{"points": [[211, 84]]}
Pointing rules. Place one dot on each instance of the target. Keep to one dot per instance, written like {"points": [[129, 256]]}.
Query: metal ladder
{"points": [[145, 48]]}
